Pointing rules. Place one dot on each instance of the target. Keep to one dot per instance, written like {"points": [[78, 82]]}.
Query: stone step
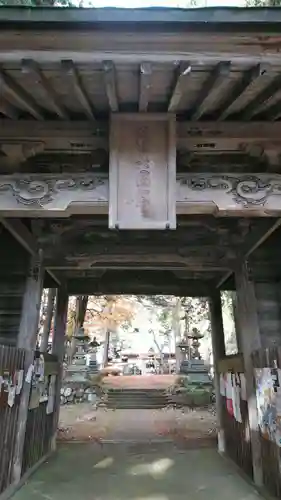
{"points": [[129, 398]]}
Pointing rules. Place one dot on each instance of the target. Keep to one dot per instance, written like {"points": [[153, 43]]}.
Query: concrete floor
{"points": [[135, 472]]}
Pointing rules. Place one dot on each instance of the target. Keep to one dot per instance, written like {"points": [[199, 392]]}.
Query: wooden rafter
{"points": [[249, 79], [20, 95], [70, 68], [263, 98], [145, 84], [30, 66], [211, 88], [7, 109], [183, 73], [110, 85]]}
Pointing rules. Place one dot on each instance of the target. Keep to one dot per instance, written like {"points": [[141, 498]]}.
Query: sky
{"points": [[167, 3]]}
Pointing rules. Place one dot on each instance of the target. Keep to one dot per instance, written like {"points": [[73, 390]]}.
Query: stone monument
{"points": [[75, 387]]}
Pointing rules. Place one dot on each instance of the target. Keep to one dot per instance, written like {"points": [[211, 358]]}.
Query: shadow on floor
{"points": [[135, 472]]}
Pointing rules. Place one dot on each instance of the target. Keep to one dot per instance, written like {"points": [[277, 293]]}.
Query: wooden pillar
{"points": [[27, 337], [236, 322], [218, 345], [250, 341], [48, 319], [58, 349]]}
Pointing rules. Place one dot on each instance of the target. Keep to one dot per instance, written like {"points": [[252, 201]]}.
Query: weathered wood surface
{"points": [[58, 349], [26, 339], [142, 172], [63, 195], [250, 342], [218, 345]]}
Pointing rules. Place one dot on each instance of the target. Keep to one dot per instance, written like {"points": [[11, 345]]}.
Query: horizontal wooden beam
{"points": [[89, 286], [32, 195], [84, 136]]}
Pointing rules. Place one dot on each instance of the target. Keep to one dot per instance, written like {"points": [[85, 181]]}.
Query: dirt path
{"points": [[82, 422]]}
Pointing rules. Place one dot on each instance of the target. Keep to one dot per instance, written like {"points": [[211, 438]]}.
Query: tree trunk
{"points": [[48, 319], [80, 313], [106, 348], [176, 331]]}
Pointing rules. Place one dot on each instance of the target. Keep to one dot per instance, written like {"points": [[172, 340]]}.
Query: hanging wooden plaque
{"points": [[142, 173]]}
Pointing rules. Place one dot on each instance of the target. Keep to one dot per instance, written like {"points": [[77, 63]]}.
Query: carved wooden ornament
{"points": [[142, 172]]}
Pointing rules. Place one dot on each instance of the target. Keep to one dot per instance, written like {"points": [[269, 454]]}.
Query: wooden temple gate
{"points": [[139, 154]]}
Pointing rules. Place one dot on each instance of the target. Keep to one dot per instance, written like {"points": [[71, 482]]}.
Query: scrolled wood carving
{"points": [[248, 190], [32, 190]]}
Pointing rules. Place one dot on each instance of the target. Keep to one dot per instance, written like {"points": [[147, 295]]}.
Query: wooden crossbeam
{"points": [[30, 66], [211, 88], [248, 80], [20, 95], [145, 84], [257, 239], [182, 75], [90, 286], [7, 109], [187, 131], [70, 68], [21, 233], [263, 98], [110, 85]]}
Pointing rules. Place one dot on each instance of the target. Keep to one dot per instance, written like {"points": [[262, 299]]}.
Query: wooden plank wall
{"points": [[270, 452], [11, 360], [237, 437], [39, 428], [268, 297]]}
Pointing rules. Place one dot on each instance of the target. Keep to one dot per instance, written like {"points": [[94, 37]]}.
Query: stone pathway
{"points": [[143, 472]]}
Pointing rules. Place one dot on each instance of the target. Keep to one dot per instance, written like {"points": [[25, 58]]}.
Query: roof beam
{"points": [[90, 286], [21, 233], [30, 66], [263, 98], [273, 112], [20, 95], [211, 89], [7, 109], [259, 237], [145, 84], [110, 85], [182, 75], [70, 68], [249, 79]]}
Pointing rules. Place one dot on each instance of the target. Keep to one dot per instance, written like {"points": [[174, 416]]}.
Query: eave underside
{"points": [[60, 82]]}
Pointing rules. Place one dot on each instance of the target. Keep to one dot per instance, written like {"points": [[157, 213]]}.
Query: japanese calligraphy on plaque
{"points": [[142, 180]]}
